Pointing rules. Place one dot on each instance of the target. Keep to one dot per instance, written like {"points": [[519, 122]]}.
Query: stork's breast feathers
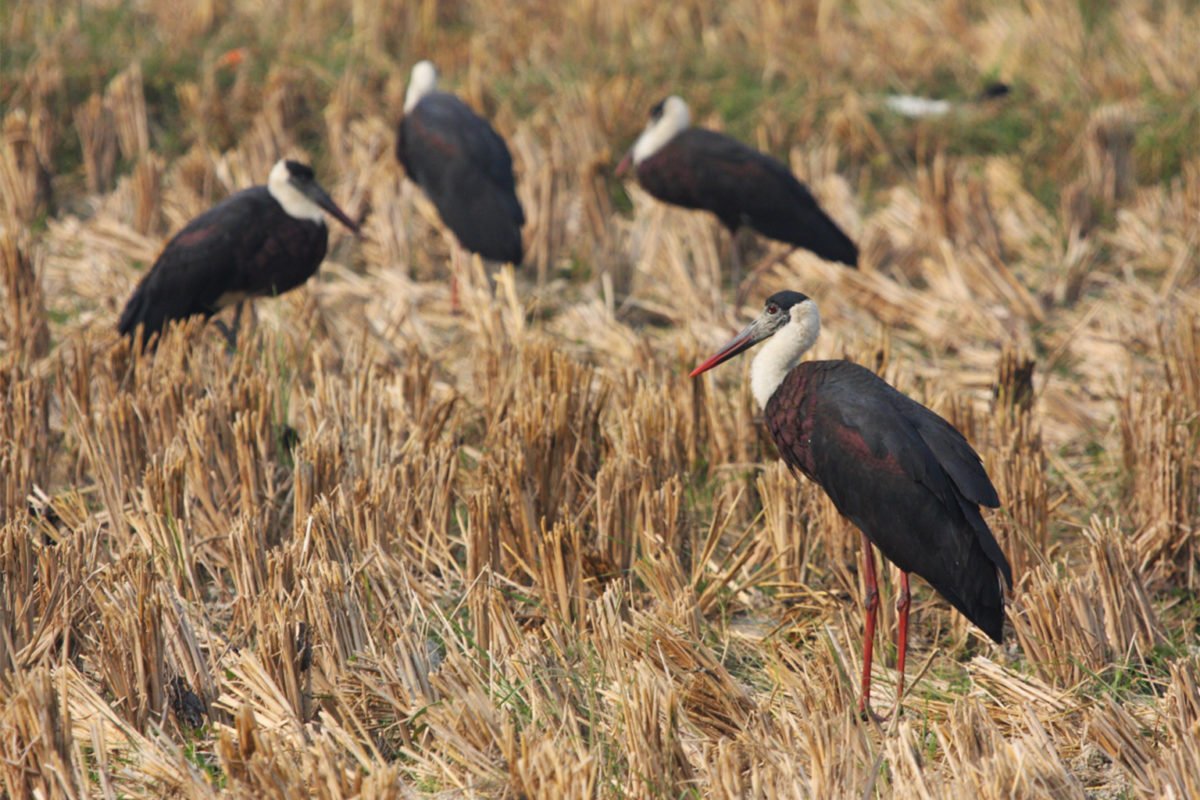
{"points": [[789, 417]]}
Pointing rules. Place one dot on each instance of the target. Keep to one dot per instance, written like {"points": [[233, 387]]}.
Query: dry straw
{"points": [[384, 550]]}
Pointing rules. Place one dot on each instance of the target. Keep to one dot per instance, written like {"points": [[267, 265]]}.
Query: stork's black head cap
{"points": [[657, 110], [300, 171], [786, 299], [995, 89]]}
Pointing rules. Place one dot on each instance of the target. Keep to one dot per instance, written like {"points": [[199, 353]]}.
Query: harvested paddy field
{"points": [[382, 549]]}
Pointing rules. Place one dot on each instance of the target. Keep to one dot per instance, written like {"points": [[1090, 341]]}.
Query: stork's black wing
{"points": [[707, 170], [198, 265], [900, 473], [466, 170]]}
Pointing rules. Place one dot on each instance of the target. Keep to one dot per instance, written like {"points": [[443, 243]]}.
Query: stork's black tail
{"points": [[820, 234], [139, 311], [803, 223], [977, 589]]}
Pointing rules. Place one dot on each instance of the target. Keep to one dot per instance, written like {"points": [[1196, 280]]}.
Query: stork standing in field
{"points": [[703, 169], [260, 242], [464, 168], [903, 475]]}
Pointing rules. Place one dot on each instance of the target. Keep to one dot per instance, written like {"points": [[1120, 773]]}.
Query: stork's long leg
{"points": [[231, 332], [903, 601], [871, 604]]}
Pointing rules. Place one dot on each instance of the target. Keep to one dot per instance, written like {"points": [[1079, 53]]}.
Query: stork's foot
{"points": [[867, 714]]}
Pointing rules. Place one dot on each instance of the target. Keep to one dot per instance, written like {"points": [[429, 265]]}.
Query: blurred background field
{"points": [[386, 550]]}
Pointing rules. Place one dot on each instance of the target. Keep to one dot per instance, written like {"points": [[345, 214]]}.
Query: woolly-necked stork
{"points": [[903, 475], [464, 168], [702, 169], [261, 241]]}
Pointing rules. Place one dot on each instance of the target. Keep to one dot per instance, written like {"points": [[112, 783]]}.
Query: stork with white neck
{"points": [[262, 241], [464, 168], [702, 169], [904, 476]]}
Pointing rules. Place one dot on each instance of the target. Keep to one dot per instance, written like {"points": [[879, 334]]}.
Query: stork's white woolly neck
{"points": [[675, 119], [422, 81], [784, 350], [295, 202]]}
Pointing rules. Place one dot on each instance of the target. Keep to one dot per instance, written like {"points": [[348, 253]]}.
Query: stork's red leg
{"points": [[870, 603], [903, 601]]}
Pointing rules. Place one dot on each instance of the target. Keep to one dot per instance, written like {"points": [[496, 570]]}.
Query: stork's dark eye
{"points": [[772, 309]]}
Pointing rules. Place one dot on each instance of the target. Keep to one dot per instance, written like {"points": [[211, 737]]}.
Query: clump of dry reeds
{"points": [[1160, 434], [386, 550], [25, 157]]}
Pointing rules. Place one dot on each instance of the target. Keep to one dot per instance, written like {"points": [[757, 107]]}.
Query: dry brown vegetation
{"points": [[387, 551]]}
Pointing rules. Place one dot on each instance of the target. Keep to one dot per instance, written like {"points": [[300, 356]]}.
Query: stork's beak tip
{"points": [[623, 167]]}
